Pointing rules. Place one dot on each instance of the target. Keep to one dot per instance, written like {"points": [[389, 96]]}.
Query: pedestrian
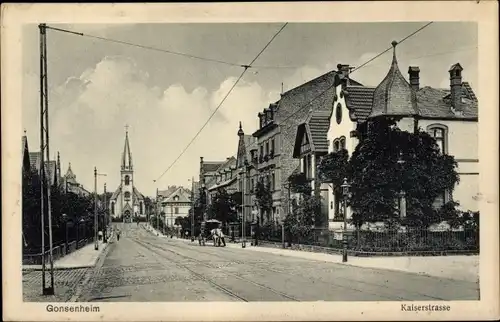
{"points": [[118, 235], [220, 236]]}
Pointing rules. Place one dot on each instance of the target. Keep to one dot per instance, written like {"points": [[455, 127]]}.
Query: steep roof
{"points": [[116, 193], [308, 95], [435, 103], [319, 122], [137, 194], [211, 166], [359, 101], [230, 162], [316, 129], [168, 192], [183, 195], [394, 95]]}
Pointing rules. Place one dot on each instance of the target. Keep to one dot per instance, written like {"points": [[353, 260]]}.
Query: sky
{"points": [[98, 87]]}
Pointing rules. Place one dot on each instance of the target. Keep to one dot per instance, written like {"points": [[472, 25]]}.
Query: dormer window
{"points": [[457, 73]]}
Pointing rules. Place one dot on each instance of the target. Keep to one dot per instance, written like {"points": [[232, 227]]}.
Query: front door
{"points": [[126, 216]]}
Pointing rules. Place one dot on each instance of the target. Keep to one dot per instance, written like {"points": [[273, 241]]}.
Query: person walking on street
{"points": [[118, 235]]}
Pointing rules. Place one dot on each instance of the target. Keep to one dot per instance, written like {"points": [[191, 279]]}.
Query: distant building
{"points": [[174, 202], [449, 115], [246, 158], [127, 202], [225, 177], [70, 184]]}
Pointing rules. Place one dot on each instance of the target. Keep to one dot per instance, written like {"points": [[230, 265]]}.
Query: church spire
{"points": [[127, 154]]}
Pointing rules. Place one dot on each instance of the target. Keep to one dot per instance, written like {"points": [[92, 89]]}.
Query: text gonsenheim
{"points": [[424, 308], [72, 308]]}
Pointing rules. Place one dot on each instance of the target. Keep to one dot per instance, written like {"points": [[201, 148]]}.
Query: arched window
{"points": [[112, 208], [127, 195], [127, 180], [338, 113], [336, 145], [342, 143], [140, 207], [440, 133]]}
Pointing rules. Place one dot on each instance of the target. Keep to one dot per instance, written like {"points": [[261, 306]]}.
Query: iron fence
{"points": [[415, 240]]}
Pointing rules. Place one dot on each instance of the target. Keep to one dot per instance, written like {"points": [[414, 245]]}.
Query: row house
{"points": [[450, 115], [277, 133], [225, 177]]}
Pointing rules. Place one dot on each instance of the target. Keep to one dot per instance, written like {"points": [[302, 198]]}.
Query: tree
{"points": [[222, 207], [377, 177], [299, 184], [264, 198]]}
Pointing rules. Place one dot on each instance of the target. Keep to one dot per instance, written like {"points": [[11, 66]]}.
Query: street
{"points": [[143, 267]]}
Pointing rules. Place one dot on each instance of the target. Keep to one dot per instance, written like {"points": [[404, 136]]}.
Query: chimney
{"points": [[344, 71], [456, 86], [414, 73]]}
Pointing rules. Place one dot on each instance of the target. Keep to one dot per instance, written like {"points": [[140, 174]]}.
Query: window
{"points": [[112, 208], [127, 195], [272, 147], [261, 151], [140, 208], [342, 143], [336, 145], [440, 133], [267, 148], [252, 185], [127, 180], [176, 210], [273, 182], [338, 113]]}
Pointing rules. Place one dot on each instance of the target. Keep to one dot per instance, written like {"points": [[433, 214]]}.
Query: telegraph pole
{"points": [[45, 158], [96, 242], [192, 209], [105, 219]]}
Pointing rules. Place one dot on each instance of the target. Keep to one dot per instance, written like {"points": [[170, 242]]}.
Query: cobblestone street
{"points": [[65, 283], [144, 267]]}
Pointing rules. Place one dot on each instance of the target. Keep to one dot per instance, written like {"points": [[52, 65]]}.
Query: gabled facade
{"points": [[225, 177], [70, 184], [449, 115], [310, 145], [246, 160], [176, 204]]}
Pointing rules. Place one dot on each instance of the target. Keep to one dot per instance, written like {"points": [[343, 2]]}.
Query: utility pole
{"points": [[105, 235], [157, 216], [96, 223], [45, 159], [192, 209], [96, 243]]}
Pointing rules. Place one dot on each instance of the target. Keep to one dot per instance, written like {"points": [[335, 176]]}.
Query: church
{"points": [[127, 203]]}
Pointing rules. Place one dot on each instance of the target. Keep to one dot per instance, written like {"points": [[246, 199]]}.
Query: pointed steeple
{"points": [[69, 174], [394, 95], [127, 154], [241, 157]]}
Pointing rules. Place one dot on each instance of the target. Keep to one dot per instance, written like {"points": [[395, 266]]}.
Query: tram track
{"points": [[354, 281], [239, 277]]}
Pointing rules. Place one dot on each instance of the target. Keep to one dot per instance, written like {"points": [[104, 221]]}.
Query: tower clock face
{"points": [[338, 113]]}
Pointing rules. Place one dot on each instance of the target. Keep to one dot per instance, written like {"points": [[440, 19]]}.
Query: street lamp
{"points": [[345, 192], [402, 194], [96, 237]]}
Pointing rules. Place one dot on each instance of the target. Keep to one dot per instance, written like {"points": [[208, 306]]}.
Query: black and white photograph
{"points": [[261, 162]]}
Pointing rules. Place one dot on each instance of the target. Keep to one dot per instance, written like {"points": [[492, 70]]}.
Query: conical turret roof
{"points": [[394, 95]]}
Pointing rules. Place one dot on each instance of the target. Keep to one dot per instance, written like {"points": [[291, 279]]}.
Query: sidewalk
{"points": [[84, 257], [459, 267]]}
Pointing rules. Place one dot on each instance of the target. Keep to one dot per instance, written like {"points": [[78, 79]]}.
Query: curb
{"points": [[90, 273], [35, 269]]}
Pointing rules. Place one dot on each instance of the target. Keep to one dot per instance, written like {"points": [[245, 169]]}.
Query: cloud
{"points": [[90, 112]]}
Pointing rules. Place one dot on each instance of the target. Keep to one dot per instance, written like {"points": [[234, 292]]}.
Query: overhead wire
{"points": [[353, 70], [222, 101], [146, 47]]}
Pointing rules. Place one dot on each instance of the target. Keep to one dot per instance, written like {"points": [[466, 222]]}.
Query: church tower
{"points": [[127, 180]]}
